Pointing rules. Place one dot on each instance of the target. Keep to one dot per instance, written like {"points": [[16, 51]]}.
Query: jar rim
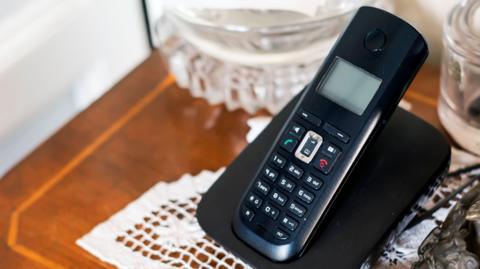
{"points": [[460, 30]]}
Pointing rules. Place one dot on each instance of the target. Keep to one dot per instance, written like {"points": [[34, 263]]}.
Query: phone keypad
{"points": [[286, 187]]}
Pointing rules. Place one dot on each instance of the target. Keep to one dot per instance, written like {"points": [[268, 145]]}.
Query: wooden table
{"points": [[143, 131]]}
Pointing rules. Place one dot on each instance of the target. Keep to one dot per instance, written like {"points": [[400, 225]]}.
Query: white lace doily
{"points": [[160, 230]]}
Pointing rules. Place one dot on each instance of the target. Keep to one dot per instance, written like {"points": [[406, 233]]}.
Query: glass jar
{"points": [[251, 59], [459, 106]]}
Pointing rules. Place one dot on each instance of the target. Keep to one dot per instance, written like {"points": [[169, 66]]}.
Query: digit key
{"points": [[278, 198], [270, 173], [286, 184], [278, 160], [297, 209], [270, 211], [313, 182], [262, 187]]}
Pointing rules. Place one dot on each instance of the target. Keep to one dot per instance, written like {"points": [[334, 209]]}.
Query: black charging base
{"points": [[395, 171]]}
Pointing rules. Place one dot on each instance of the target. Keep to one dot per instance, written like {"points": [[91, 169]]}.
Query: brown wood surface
{"points": [[143, 131]]}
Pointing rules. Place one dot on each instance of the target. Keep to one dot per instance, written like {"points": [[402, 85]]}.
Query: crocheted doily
{"points": [[160, 230]]}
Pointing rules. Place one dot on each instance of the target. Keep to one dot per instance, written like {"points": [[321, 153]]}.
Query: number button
{"points": [[254, 200], [289, 143], [286, 184], [313, 182], [295, 171], [289, 223], [270, 173], [262, 187], [270, 211], [278, 198], [247, 213], [278, 160], [305, 195], [297, 209]]}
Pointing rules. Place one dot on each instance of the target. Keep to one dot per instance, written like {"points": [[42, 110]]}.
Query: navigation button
{"points": [[308, 147]]}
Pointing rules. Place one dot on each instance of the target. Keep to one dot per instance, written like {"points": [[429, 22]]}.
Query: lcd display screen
{"points": [[349, 86]]}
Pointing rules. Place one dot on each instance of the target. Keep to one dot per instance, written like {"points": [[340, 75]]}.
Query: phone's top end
{"points": [[374, 12]]}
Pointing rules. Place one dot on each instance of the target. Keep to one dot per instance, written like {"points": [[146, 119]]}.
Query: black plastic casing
{"points": [[396, 64]]}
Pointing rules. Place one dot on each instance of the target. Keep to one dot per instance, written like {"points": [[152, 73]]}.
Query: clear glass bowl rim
{"points": [[238, 29]]}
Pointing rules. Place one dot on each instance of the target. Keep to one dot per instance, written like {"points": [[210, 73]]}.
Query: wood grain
{"points": [[143, 131]]}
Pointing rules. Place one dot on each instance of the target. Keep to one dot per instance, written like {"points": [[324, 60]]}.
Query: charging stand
{"points": [[402, 164]]}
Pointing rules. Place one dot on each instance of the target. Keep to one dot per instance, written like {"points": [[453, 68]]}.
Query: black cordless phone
{"points": [[339, 113]]}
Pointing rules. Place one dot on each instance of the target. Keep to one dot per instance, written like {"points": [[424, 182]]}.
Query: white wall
{"points": [[56, 57], [428, 16]]}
